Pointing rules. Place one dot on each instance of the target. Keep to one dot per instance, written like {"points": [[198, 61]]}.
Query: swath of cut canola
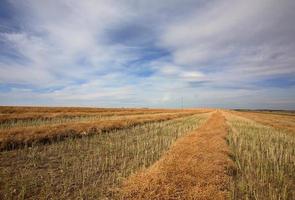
{"points": [[196, 167]]}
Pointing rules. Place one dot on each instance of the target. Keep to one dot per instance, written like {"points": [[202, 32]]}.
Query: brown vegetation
{"points": [[265, 159], [88, 167], [279, 121], [8, 114], [20, 136], [196, 167], [126, 141]]}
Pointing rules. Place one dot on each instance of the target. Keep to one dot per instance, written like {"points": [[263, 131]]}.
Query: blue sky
{"points": [[148, 53]]}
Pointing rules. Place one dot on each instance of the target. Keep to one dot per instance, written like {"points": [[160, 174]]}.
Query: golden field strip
{"points": [[100, 153], [88, 167], [264, 156], [22, 131], [278, 120], [196, 167], [23, 114]]}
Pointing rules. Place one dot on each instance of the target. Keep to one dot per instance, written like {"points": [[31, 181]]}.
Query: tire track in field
{"points": [[196, 167]]}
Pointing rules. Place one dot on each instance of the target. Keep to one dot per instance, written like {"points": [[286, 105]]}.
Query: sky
{"points": [[148, 53]]}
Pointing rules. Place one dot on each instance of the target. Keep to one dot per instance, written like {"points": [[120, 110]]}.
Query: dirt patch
{"points": [[196, 167]]}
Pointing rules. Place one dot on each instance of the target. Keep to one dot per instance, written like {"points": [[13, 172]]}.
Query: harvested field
{"points": [[196, 167], [278, 120], [16, 115], [265, 160], [89, 153], [41, 132], [88, 167]]}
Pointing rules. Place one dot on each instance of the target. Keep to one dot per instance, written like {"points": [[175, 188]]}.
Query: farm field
{"points": [[100, 153], [192, 169], [23, 126], [278, 120], [264, 157]]}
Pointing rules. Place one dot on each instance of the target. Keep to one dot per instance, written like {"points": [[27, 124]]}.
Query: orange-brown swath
{"points": [[19, 136], [196, 167], [10, 113]]}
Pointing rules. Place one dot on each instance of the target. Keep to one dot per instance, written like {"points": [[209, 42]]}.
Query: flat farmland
{"points": [[23, 126], [262, 148], [120, 153], [278, 120]]}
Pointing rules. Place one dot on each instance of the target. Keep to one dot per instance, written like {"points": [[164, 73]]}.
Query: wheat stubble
{"points": [[196, 167]]}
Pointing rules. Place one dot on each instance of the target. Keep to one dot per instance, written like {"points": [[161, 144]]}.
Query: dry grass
{"points": [[15, 137], [105, 146], [88, 167], [28, 109], [278, 121], [14, 115], [265, 160], [33, 123], [196, 167]]}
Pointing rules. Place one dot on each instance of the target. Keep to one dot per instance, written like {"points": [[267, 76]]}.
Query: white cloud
{"points": [[239, 31]]}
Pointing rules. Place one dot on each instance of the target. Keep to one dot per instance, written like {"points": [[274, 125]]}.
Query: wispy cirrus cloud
{"points": [[148, 53]]}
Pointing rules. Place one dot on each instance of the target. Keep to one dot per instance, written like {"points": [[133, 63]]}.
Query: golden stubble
{"points": [[196, 167]]}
